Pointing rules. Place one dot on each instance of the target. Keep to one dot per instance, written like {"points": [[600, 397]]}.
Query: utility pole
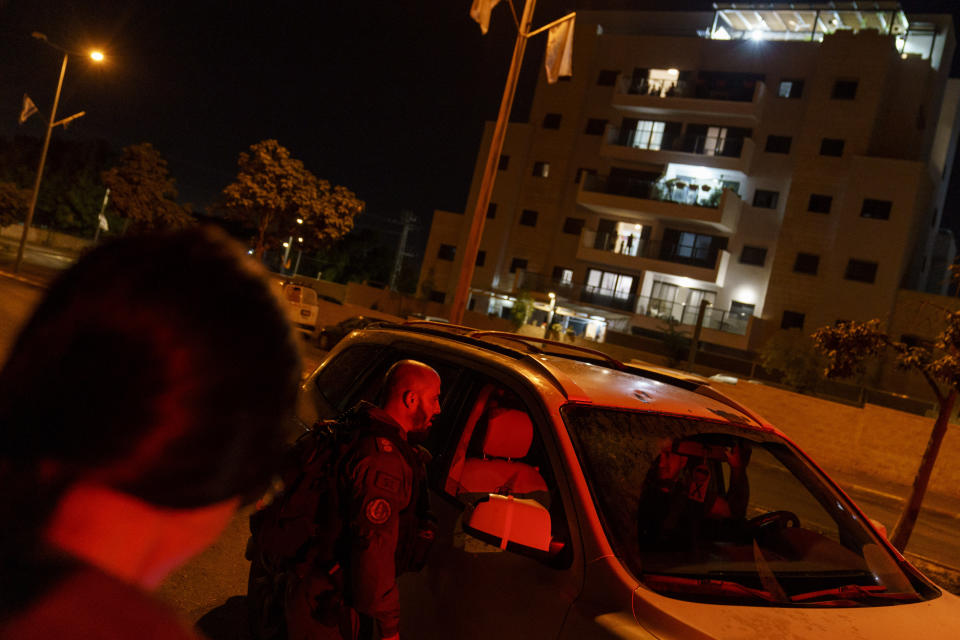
{"points": [[407, 220], [469, 259]]}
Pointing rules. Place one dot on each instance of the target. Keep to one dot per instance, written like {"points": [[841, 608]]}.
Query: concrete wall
{"points": [[46, 238], [881, 443]]}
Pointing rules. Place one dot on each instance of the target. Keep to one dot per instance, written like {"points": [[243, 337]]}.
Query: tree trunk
{"points": [[901, 533]]}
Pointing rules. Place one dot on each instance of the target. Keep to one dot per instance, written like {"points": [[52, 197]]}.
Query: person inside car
{"points": [[684, 500], [134, 423]]}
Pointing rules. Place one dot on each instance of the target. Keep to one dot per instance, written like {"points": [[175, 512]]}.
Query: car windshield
{"points": [[715, 512]]}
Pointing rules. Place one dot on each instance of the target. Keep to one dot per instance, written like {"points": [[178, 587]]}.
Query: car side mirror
{"points": [[513, 521]]}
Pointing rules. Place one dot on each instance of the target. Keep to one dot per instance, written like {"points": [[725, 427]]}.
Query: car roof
{"points": [[587, 376]]}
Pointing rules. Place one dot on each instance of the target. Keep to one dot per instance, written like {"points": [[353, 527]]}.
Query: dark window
{"points": [[541, 169], [876, 209], [491, 210], [447, 252], [831, 147], [438, 296], [765, 199], [471, 304], [844, 90], [504, 162], [356, 360], [481, 258], [778, 144], [528, 218], [790, 88], [861, 271], [819, 203], [792, 320], [595, 126], [583, 172], [518, 263], [806, 263], [562, 276], [753, 255], [607, 77], [551, 121], [573, 225]]}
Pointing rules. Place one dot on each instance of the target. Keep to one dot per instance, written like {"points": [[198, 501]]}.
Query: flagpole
{"points": [[43, 160], [462, 292]]}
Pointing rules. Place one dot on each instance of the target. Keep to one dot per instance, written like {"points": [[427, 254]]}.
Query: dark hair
{"points": [[160, 365]]}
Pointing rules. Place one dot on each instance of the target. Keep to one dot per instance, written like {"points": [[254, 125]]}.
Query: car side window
{"points": [[500, 456], [334, 382]]}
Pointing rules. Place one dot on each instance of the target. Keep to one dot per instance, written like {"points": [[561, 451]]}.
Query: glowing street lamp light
{"points": [[97, 56]]}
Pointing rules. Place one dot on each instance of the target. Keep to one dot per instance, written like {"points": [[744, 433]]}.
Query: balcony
{"points": [[688, 99], [716, 319], [576, 291], [611, 249], [732, 154], [707, 204]]}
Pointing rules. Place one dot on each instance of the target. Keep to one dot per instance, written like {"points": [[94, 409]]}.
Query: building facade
{"points": [[787, 167]]}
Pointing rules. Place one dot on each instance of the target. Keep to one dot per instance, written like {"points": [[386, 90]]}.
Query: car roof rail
{"points": [[531, 343], [484, 339]]}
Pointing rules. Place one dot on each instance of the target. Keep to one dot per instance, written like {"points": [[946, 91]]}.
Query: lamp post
{"points": [[286, 250], [96, 56]]}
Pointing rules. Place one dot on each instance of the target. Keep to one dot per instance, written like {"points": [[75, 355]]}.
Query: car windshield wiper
{"points": [[704, 586], [856, 593]]}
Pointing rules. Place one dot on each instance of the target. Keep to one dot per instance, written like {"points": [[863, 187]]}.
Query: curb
{"points": [[897, 499], [24, 279]]}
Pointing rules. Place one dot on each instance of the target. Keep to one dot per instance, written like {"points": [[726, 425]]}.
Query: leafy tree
{"points": [[521, 310], [794, 356], [13, 203], [272, 191], [847, 345], [142, 191], [356, 257]]}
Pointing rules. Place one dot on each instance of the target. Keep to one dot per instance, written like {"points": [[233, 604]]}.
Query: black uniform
{"points": [[387, 527]]}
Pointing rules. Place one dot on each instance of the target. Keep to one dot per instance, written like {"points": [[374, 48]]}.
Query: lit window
{"points": [[648, 135], [541, 169], [715, 140], [790, 89]]}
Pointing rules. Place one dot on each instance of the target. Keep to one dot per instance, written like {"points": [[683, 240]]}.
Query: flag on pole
{"points": [[480, 11], [28, 109], [103, 223], [559, 58]]}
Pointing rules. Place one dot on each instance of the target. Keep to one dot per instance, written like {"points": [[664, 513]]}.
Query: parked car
{"points": [[578, 497], [330, 335], [301, 305]]}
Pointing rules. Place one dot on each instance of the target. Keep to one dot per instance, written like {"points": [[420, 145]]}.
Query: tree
{"points": [[675, 341], [13, 203], [521, 310], [848, 344], [272, 191], [794, 356], [142, 191]]}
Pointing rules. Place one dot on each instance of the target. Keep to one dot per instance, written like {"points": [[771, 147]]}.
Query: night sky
{"points": [[386, 97]]}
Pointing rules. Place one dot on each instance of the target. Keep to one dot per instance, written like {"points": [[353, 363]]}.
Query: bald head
{"points": [[412, 394]]}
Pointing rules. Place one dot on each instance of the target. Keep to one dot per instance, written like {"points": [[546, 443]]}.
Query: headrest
{"points": [[509, 434]]}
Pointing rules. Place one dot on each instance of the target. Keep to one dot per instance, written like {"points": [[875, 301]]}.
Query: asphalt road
{"points": [[207, 589]]}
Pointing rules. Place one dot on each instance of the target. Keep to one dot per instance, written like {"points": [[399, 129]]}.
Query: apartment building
{"points": [[786, 164]]}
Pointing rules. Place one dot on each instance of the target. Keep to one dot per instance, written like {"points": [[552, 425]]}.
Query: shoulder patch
{"points": [[387, 482], [378, 511], [384, 445]]}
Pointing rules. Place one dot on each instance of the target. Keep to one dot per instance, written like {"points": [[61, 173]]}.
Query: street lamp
{"points": [[96, 56]]}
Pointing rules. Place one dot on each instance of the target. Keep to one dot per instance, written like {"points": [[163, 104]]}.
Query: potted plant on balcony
{"points": [[680, 187], [713, 199], [692, 191]]}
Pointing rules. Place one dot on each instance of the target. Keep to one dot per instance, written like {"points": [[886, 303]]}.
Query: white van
{"points": [[302, 307]]}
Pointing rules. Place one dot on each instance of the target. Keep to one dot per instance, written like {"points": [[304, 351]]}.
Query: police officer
{"points": [[382, 485]]}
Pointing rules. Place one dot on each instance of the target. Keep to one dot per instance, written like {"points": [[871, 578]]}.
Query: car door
{"points": [[471, 587]]}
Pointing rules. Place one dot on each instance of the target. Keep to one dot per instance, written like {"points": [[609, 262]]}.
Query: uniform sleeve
{"points": [[379, 489]]}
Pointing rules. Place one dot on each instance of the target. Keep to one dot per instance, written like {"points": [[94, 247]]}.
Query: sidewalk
{"points": [[40, 266]]}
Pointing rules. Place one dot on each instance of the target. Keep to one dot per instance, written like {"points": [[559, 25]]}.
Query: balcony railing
{"points": [[683, 89], [719, 319], [610, 298], [695, 256], [698, 145], [700, 194]]}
